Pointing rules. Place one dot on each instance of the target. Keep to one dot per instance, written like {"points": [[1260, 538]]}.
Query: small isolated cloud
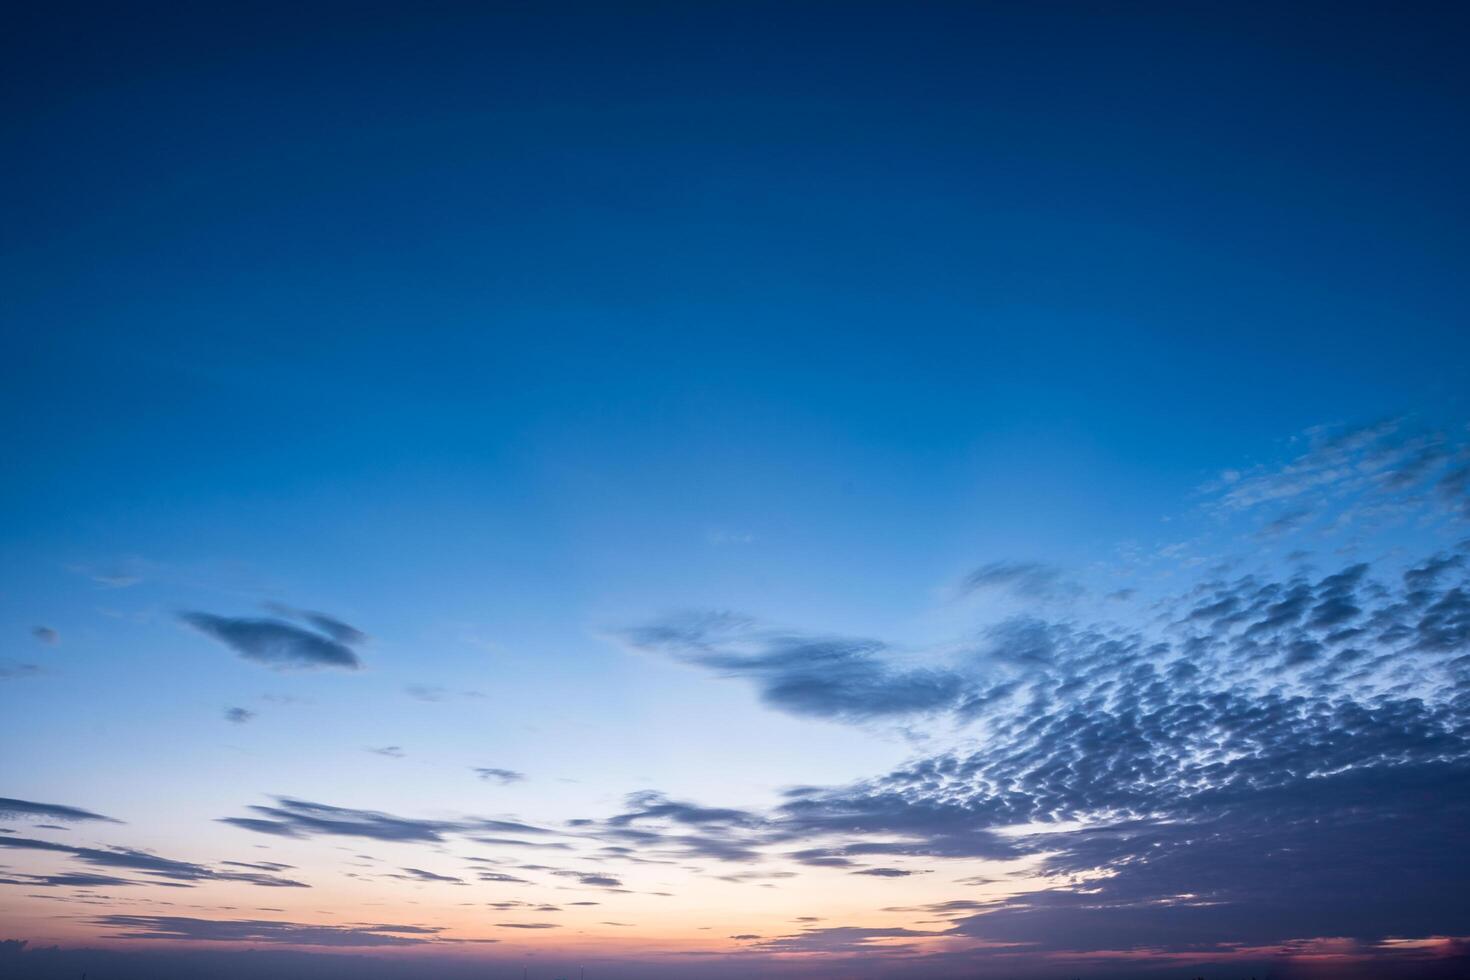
{"points": [[502, 776], [886, 872], [46, 635], [273, 642], [389, 751], [238, 716], [26, 809]]}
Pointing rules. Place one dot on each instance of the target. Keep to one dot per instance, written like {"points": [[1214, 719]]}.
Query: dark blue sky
{"points": [[1130, 224], [502, 329]]}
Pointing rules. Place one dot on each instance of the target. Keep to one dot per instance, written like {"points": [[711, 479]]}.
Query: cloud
{"points": [[46, 635], [847, 939], [813, 675], [26, 809], [502, 776], [13, 670], [1271, 759], [145, 863], [330, 625], [656, 806], [529, 925], [262, 931], [70, 880], [1389, 471], [303, 818], [291, 817], [259, 865], [389, 751], [238, 715], [1289, 759], [272, 642], [1025, 580], [592, 880], [418, 874]]}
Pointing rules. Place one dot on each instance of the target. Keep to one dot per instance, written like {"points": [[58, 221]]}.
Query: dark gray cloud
{"points": [[165, 869], [419, 874], [262, 931], [273, 642], [529, 925], [323, 623], [238, 716], [303, 818], [650, 805], [502, 776], [71, 880], [11, 809], [591, 879], [820, 676], [290, 817]]}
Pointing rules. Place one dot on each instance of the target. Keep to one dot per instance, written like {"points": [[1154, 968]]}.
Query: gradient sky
{"points": [[843, 490]]}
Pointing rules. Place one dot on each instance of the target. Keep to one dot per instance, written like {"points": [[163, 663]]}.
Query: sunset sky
{"points": [[820, 490]]}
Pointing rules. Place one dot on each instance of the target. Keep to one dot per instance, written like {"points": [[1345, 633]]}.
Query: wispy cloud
{"points": [[27, 809]]}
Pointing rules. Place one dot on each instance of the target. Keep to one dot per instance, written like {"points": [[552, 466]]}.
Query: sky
{"points": [[857, 490]]}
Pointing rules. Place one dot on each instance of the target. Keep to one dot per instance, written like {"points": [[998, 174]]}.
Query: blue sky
{"points": [[516, 336]]}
